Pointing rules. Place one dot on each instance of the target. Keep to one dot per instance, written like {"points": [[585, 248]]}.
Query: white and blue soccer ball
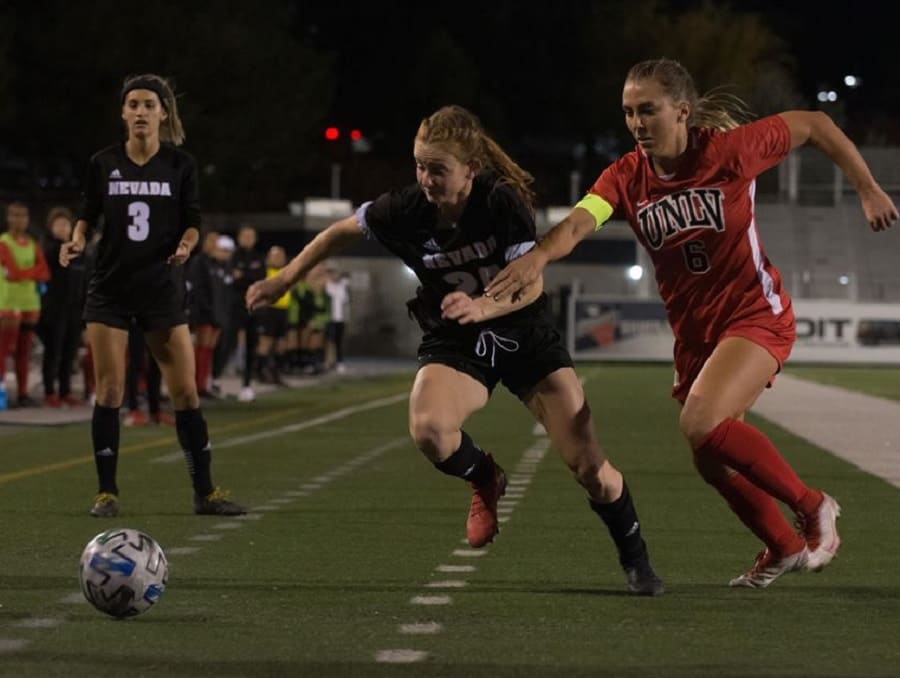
{"points": [[123, 572]]}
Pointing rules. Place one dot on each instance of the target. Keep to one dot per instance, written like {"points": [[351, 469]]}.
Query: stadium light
{"points": [[635, 272], [852, 81]]}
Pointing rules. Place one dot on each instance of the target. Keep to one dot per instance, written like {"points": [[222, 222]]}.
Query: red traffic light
{"points": [[356, 135], [332, 133]]}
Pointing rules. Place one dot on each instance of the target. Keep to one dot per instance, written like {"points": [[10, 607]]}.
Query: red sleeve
{"points": [[752, 148], [40, 272], [7, 261], [607, 187]]}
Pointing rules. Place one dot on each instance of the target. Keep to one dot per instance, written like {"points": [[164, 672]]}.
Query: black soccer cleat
{"points": [[642, 580], [216, 503]]}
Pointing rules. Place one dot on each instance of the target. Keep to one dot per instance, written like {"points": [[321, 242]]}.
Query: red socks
{"points": [[8, 336], [756, 509], [203, 355], [748, 451]]}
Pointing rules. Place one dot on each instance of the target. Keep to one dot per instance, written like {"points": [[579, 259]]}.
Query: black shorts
{"points": [[520, 357], [153, 312], [273, 322]]}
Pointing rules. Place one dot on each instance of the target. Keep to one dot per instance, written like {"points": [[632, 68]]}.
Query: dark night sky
{"points": [[832, 39], [513, 63]]}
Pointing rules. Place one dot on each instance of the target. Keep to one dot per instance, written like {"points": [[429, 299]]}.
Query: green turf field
{"points": [[883, 382], [322, 584]]}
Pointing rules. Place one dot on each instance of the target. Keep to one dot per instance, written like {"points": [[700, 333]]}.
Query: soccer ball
{"points": [[123, 572]]}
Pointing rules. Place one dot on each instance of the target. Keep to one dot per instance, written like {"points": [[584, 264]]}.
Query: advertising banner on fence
{"points": [[603, 328]]}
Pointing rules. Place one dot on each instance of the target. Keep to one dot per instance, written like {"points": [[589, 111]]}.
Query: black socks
{"points": [[622, 522], [105, 436], [194, 439], [469, 462]]}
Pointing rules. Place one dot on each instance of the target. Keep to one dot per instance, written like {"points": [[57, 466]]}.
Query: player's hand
{"points": [[880, 211], [518, 274], [265, 292], [462, 308], [181, 254], [71, 250]]}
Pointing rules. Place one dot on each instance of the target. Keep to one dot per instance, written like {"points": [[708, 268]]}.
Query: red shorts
{"points": [[776, 337]]}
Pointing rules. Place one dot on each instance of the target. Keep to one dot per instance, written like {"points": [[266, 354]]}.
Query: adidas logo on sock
{"points": [[105, 452], [634, 528]]}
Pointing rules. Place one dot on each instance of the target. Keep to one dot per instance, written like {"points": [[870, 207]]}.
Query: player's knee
{"points": [[184, 396], [108, 395], [431, 437], [696, 424]]}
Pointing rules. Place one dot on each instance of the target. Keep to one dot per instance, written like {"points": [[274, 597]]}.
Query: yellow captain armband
{"points": [[598, 207]]}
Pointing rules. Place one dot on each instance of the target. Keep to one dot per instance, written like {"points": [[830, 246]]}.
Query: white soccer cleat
{"points": [[768, 567], [246, 395], [819, 528]]}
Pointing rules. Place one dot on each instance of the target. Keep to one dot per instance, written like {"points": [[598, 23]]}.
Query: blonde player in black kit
{"points": [[468, 215], [145, 189]]}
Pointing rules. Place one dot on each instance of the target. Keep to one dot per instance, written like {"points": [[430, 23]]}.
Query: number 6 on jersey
{"points": [[695, 256]]}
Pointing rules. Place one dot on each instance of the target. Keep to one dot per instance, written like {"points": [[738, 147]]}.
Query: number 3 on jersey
{"points": [[139, 228], [695, 256]]}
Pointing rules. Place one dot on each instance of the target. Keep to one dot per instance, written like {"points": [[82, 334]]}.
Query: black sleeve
{"points": [[190, 196], [199, 289], [257, 273], [377, 216], [513, 222], [92, 194]]}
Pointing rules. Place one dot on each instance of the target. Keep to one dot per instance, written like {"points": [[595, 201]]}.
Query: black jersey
{"points": [[495, 228], [145, 209]]}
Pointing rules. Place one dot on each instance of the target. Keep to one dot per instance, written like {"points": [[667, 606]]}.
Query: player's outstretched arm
{"points": [[327, 243], [558, 243], [818, 129], [464, 309]]}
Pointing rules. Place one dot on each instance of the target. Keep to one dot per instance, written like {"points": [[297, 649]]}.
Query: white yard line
{"points": [[522, 474], [292, 428]]}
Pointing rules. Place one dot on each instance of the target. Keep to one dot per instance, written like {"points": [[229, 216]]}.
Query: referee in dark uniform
{"points": [[145, 191], [466, 217], [248, 266]]}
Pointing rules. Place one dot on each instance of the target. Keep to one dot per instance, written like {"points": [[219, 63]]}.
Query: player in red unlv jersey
{"points": [[145, 190], [687, 191]]}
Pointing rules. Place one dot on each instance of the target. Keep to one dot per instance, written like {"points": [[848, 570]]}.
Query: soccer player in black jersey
{"points": [[145, 189], [466, 217]]}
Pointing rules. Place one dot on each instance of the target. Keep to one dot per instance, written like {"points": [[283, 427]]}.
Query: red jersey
{"points": [[699, 227]]}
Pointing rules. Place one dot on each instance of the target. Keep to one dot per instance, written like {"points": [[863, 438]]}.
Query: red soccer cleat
{"points": [[72, 401], [163, 419], [136, 418], [53, 400], [481, 526]]}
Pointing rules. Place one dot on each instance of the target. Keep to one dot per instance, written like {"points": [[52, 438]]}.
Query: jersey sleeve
{"points": [[603, 198], [513, 223], [374, 216], [92, 194], [752, 148], [607, 187], [190, 196]]}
